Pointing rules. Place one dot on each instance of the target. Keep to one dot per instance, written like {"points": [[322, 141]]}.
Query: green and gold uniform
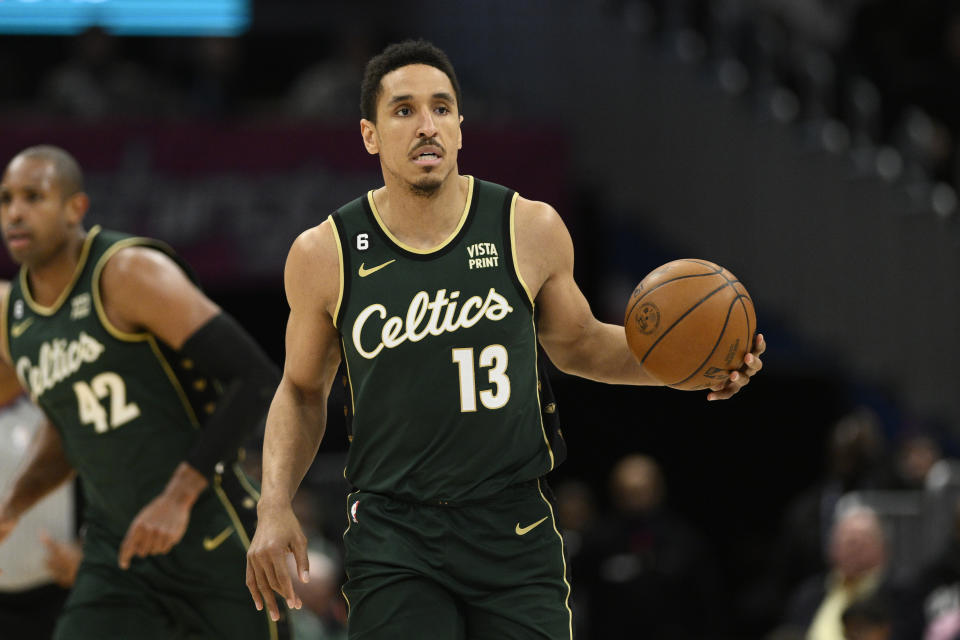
{"points": [[450, 525], [128, 409]]}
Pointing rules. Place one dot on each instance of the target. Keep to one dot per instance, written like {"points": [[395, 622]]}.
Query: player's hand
{"points": [[63, 559], [278, 535], [741, 377], [159, 525]]}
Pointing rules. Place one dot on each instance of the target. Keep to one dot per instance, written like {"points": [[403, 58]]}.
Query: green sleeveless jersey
{"points": [[117, 399], [441, 356]]}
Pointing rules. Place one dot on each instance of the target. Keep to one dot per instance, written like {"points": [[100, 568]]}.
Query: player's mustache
{"points": [[428, 142]]}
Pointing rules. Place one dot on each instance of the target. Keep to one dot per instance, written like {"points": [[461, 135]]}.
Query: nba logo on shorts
{"points": [[353, 510]]}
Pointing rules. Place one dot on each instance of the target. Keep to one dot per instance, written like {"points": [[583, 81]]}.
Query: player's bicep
{"points": [[313, 352], [311, 280]]}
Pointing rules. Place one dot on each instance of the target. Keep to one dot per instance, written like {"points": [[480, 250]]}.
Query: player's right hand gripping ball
{"points": [[689, 323]]}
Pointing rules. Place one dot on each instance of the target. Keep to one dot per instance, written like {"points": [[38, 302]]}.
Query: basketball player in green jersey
{"points": [[149, 389], [435, 289]]}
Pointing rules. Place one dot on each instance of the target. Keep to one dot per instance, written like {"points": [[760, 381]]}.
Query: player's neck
{"points": [[50, 278], [422, 221]]}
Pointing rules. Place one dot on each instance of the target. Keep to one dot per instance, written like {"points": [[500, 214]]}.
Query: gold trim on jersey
{"points": [[536, 371], [81, 263], [98, 301], [346, 364], [563, 555], [4, 334], [241, 534], [336, 237], [449, 239], [142, 336], [513, 244]]}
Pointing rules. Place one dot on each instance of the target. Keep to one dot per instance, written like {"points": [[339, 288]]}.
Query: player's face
{"points": [[34, 216], [417, 133]]}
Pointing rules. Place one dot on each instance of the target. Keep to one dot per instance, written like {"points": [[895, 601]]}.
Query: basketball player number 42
{"points": [[494, 359], [107, 384]]}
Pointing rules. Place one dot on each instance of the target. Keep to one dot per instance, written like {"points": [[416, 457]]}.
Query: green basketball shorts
{"points": [[487, 571]]}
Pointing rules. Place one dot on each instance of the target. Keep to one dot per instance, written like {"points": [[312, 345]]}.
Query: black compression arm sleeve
{"points": [[225, 352]]}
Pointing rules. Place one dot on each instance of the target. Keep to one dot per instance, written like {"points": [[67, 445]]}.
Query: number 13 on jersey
{"points": [[494, 359]]}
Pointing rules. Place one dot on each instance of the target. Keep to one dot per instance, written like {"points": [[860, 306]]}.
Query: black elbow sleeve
{"points": [[223, 350]]}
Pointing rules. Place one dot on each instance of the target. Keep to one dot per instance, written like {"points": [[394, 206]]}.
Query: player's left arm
{"points": [[145, 290], [576, 341]]}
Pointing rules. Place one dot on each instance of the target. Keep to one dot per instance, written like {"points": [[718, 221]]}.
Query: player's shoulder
{"points": [[316, 243], [138, 263], [535, 209], [313, 263], [537, 219], [4, 289]]}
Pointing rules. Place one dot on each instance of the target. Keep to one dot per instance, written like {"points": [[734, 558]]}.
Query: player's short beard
{"points": [[427, 187]]}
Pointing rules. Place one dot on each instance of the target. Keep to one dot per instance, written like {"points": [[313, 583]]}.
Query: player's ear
{"points": [[368, 131], [460, 134], [77, 206]]}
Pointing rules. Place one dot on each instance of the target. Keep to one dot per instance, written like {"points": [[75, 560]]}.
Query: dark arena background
{"points": [[808, 146]]}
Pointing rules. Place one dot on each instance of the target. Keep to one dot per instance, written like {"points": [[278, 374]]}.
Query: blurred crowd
{"points": [[871, 551], [96, 76], [878, 80]]}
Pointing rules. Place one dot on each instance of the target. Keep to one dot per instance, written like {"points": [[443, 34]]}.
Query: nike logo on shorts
{"points": [[522, 531], [212, 543]]}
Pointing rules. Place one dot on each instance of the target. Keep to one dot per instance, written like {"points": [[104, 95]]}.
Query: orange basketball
{"points": [[689, 323]]}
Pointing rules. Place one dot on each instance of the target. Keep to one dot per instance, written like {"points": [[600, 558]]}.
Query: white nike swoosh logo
{"points": [[521, 531], [365, 272]]}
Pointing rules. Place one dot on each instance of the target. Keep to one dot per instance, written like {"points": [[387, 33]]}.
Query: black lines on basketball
{"points": [[660, 284], [678, 320], [716, 344], [690, 322]]}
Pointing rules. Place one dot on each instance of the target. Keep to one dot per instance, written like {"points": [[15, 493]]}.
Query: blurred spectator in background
{"points": [[576, 513], [933, 607], [916, 457], [922, 465], [857, 563], [647, 573], [32, 579], [97, 81], [911, 51], [867, 619], [856, 460]]}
